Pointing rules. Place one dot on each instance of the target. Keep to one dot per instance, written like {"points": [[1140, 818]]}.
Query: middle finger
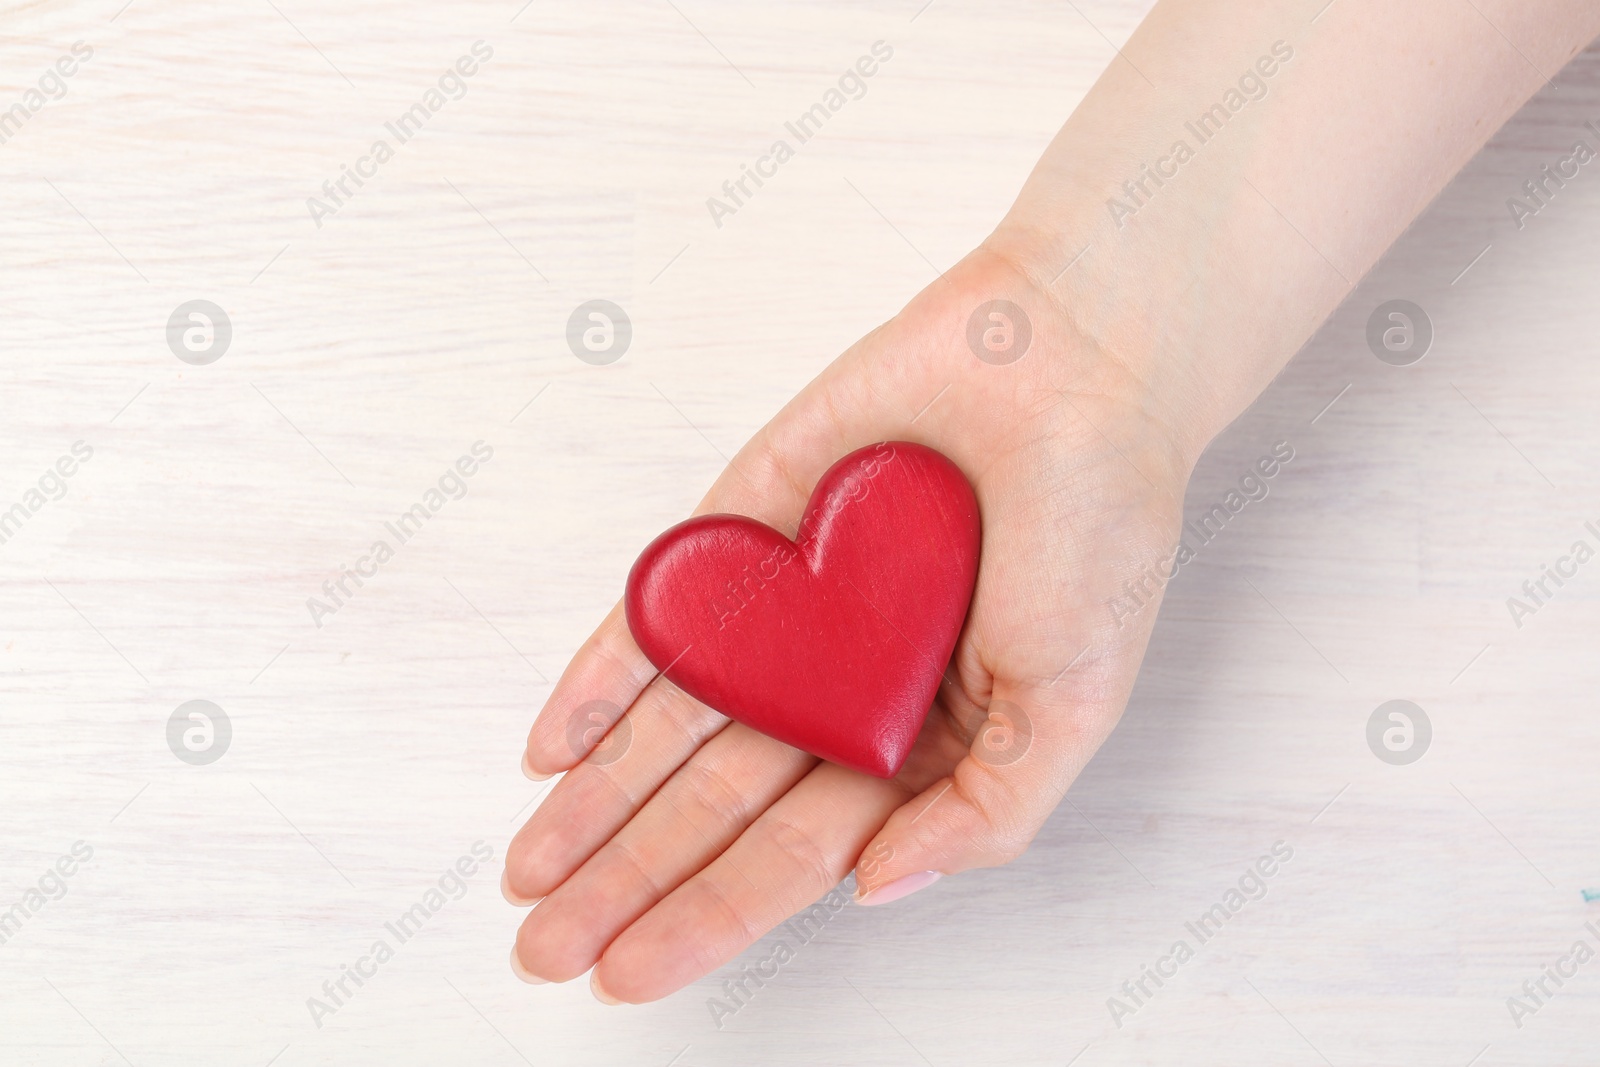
{"points": [[697, 814]]}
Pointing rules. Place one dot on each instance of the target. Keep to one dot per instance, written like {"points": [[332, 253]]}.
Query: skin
{"points": [[1149, 337]]}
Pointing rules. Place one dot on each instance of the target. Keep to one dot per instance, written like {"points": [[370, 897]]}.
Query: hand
{"points": [[660, 862]]}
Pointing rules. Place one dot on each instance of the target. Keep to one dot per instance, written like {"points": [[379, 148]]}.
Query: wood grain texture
{"points": [[429, 312]]}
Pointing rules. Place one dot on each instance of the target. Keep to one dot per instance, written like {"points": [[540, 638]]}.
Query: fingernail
{"points": [[522, 972], [900, 887], [511, 894], [599, 990], [527, 769]]}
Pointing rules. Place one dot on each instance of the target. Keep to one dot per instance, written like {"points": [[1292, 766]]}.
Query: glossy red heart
{"points": [[836, 642]]}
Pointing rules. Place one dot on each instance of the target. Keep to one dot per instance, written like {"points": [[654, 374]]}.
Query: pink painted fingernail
{"points": [[527, 769], [900, 887]]}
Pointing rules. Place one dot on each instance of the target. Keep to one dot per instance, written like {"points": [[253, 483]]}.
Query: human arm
{"points": [[1151, 331]]}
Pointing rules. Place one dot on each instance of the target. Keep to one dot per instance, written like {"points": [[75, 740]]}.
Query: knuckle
{"points": [[710, 795], [706, 952], [590, 779], [1005, 849], [777, 469], [998, 834], [809, 859], [691, 719], [624, 854]]}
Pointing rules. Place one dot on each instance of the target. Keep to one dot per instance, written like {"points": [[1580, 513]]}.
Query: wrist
{"points": [[1148, 368]]}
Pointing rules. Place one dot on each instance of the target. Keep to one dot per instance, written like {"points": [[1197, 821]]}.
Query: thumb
{"points": [[988, 810]]}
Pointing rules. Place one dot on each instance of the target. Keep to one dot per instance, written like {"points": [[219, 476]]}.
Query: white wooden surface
{"points": [[368, 354]]}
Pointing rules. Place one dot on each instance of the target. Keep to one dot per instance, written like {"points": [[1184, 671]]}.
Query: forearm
{"points": [[1206, 242]]}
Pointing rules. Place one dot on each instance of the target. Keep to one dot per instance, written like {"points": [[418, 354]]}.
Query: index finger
{"points": [[609, 668]]}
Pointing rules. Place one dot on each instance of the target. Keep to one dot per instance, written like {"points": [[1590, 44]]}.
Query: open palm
{"points": [[684, 836]]}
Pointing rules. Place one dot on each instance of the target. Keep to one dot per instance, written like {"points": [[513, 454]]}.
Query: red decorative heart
{"points": [[836, 642]]}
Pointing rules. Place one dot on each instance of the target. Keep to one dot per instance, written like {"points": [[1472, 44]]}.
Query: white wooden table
{"points": [[429, 313]]}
